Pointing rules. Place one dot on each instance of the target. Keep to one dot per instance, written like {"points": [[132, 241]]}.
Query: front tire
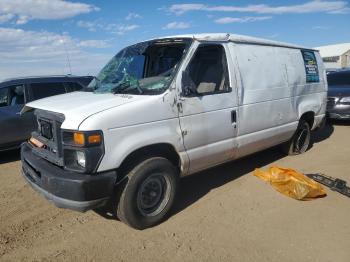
{"points": [[148, 194], [300, 141]]}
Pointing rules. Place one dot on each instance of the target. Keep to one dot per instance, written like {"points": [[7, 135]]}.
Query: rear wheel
{"points": [[300, 141], [148, 194]]}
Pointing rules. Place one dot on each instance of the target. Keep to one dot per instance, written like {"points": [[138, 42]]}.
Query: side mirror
{"points": [[187, 85]]}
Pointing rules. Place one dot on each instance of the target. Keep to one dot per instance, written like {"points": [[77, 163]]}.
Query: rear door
{"points": [[208, 113], [14, 128]]}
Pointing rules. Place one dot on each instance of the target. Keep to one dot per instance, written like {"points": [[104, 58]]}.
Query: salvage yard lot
{"points": [[223, 214]]}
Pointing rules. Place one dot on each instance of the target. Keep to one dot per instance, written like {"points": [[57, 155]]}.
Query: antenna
{"points": [[67, 54]]}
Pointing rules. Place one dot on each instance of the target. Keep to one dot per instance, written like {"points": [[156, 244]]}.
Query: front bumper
{"points": [[66, 189], [339, 111]]}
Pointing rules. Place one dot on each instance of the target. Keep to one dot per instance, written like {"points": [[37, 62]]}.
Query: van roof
{"points": [[226, 37]]}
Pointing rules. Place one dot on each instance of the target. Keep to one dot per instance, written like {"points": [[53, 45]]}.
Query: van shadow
{"points": [[194, 187], [339, 122], [10, 156], [323, 133]]}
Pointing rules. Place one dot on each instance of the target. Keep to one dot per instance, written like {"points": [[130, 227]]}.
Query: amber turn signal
{"points": [[79, 139], [94, 139]]}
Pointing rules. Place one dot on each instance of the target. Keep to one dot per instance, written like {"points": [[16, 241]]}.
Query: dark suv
{"points": [[14, 93]]}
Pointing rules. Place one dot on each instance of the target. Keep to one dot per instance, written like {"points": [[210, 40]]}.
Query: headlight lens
{"points": [[81, 158], [345, 99], [82, 150]]}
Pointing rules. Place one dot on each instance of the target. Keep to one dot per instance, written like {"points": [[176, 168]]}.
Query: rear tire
{"points": [[148, 194], [300, 141]]}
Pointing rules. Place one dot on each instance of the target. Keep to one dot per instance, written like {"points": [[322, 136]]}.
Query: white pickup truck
{"points": [[166, 108]]}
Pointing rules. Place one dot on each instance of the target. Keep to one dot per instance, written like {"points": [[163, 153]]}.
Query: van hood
{"points": [[78, 106]]}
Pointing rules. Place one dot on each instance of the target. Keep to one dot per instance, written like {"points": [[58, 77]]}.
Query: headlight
{"points": [[82, 150], [345, 100], [81, 158]]}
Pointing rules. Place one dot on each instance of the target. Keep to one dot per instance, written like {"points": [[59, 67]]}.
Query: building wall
{"points": [[334, 65], [333, 62], [342, 62], [345, 60]]}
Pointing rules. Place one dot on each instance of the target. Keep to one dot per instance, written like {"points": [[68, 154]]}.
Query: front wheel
{"points": [[148, 194], [300, 141]]}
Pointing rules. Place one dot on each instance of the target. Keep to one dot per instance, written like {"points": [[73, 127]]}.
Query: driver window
{"points": [[208, 70], [11, 96]]}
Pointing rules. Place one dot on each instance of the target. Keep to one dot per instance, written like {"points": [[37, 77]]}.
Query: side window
{"points": [[208, 70], [311, 68], [74, 86], [4, 96], [11, 96], [41, 90]]}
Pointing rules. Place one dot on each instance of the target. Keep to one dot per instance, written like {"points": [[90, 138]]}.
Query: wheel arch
{"points": [[309, 117], [165, 150]]}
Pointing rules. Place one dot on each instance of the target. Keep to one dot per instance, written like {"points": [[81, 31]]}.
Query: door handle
{"points": [[233, 116]]}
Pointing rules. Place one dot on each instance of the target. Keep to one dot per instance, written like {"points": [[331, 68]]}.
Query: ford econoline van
{"points": [[167, 108]]}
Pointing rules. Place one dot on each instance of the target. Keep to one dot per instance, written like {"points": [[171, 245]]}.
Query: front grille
{"points": [[331, 102], [49, 133], [45, 128]]}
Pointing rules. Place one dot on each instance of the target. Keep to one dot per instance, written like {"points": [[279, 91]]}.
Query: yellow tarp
{"points": [[291, 183]]}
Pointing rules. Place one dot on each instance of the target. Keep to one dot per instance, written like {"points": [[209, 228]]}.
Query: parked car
{"points": [[14, 93], [167, 108], [338, 106]]}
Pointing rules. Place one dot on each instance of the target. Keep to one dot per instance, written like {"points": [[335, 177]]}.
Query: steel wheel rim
{"points": [[153, 194], [302, 140]]}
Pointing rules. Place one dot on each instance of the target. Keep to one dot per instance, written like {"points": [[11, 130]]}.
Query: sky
{"points": [[44, 37]]}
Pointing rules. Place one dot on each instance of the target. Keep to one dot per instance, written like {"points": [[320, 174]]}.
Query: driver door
{"points": [[208, 107], [14, 128]]}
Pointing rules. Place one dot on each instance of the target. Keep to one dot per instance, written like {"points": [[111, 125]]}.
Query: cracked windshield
{"points": [[145, 68]]}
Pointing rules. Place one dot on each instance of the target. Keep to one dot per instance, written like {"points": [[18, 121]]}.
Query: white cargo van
{"points": [[170, 107]]}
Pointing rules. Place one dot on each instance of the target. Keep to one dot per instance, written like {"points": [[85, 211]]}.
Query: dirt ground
{"points": [[223, 214]]}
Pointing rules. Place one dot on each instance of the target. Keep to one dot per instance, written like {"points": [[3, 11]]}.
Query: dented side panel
{"points": [[274, 95]]}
